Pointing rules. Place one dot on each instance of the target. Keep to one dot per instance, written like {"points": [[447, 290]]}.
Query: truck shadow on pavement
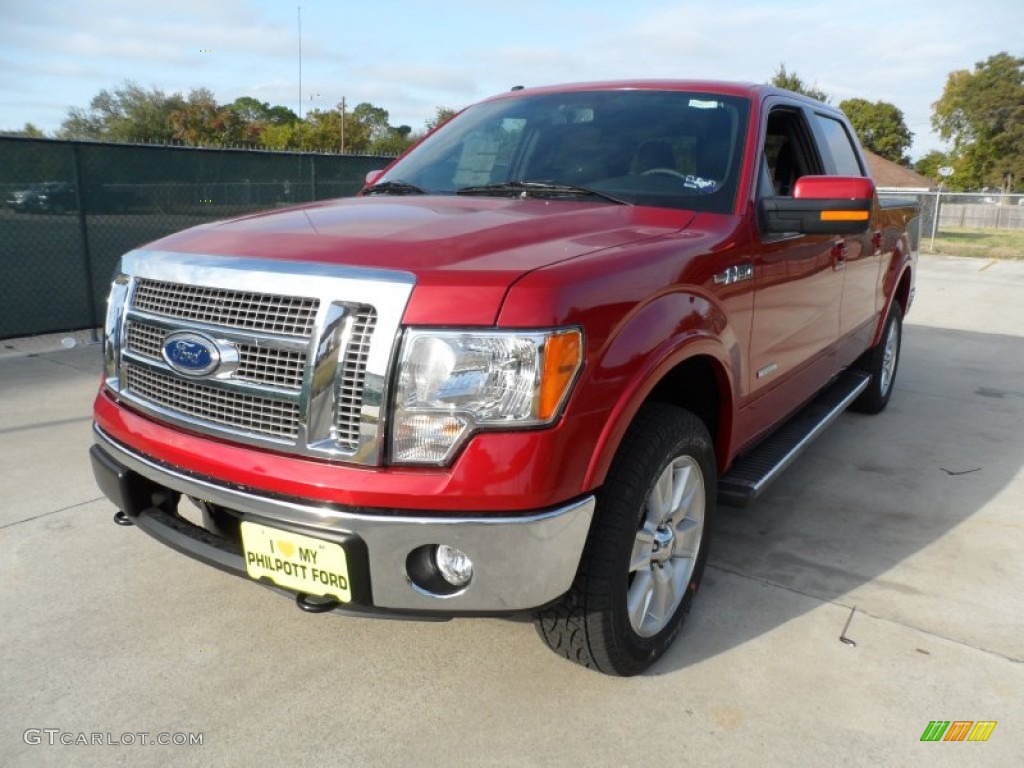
{"points": [[916, 482]]}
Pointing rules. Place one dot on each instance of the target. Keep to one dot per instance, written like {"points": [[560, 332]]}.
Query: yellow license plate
{"points": [[297, 562]]}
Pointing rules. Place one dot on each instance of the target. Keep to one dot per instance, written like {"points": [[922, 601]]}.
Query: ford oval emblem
{"points": [[191, 353]]}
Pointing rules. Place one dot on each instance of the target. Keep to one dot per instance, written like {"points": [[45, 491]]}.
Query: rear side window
{"points": [[839, 146]]}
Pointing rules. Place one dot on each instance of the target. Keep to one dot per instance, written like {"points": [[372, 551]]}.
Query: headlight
{"points": [[454, 383]]}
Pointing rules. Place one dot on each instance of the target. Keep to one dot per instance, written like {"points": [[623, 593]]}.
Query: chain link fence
{"points": [[69, 210], [969, 223]]}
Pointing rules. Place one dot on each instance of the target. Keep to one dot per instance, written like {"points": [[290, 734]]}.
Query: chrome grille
{"points": [[289, 315], [262, 365], [304, 349], [145, 339], [260, 415], [278, 367], [353, 378]]}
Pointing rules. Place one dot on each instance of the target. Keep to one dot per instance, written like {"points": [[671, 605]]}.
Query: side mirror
{"points": [[372, 177], [821, 205]]}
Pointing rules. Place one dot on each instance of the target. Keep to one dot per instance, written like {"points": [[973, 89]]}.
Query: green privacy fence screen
{"points": [[68, 210]]}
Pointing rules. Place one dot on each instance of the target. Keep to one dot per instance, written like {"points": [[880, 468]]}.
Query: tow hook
{"points": [[122, 519], [311, 604]]}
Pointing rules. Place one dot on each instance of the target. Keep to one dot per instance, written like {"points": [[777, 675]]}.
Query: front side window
{"points": [[642, 147], [788, 152]]}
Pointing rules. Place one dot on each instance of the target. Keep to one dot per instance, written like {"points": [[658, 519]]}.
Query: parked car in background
{"points": [[48, 197]]}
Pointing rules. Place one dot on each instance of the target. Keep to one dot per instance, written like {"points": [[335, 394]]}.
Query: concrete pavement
{"points": [[910, 520]]}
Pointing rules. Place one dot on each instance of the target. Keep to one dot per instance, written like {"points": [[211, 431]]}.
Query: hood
{"points": [[465, 252]]}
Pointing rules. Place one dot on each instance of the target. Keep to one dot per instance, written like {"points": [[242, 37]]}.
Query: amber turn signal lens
{"points": [[844, 215], [563, 354]]}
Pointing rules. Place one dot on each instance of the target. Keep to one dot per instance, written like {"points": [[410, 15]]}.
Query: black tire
{"points": [[880, 366], [592, 624]]}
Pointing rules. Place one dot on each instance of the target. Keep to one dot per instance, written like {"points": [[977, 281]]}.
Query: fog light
{"points": [[454, 565]]}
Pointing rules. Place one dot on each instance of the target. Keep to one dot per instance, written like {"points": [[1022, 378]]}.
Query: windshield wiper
{"points": [[536, 189], [396, 187]]}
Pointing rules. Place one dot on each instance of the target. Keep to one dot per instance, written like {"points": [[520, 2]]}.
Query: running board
{"points": [[752, 472]]}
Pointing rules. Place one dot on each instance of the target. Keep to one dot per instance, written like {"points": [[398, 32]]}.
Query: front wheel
{"points": [[881, 363], [647, 548]]}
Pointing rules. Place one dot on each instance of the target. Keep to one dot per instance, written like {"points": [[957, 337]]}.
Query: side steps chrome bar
{"points": [[752, 472]]}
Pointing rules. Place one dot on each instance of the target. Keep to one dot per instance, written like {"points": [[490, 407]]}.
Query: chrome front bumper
{"points": [[520, 562]]}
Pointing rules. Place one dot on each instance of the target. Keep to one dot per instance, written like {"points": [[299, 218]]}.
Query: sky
{"points": [[411, 57]]}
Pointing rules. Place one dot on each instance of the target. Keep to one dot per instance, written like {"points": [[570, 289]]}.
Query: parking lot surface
{"points": [[906, 530]]}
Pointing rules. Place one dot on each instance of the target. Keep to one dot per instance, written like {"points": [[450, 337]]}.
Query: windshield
{"points": [[660, 148]]}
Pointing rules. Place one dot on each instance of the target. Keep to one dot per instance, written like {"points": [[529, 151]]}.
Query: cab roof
{"points": [[754, 91]]}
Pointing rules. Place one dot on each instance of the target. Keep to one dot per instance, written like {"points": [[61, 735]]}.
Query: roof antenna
{"points": [[517, 87]]}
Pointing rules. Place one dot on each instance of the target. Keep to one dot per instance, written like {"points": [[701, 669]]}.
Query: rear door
{"points": [[858, 255]]}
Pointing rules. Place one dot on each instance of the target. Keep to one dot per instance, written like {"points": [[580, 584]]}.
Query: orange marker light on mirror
{"points": [[844, 215]]}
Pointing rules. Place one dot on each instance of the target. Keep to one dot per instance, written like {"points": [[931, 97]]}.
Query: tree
{"points": [[981, 114], [203, 121], [192, 123], [130, 113], [929, 164], [321, 131], [81, 124], [366, 130], [397, 140], [127, 114], [374, 119], [284, 136], [249, 109], [791, 81], [441, 116], [29, 130], [880, 127], [255, 111]]}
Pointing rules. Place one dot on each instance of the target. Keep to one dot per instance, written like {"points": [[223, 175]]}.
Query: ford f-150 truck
{"points": [[519, 371]]}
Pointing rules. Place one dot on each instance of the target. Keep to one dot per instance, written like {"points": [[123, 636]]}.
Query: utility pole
{"points": [[945, 172], [342, 108]]}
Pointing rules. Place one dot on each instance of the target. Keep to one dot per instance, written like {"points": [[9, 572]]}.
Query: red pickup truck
{"points": [[520, 370]]}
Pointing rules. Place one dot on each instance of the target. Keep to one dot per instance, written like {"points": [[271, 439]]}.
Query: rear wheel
{"points": [[647, 548], [881, 363]]}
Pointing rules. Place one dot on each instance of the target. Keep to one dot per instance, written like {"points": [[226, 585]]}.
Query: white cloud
{"points": [[411, 57], [440, 78]]}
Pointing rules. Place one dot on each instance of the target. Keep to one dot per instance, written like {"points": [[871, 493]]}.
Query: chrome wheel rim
{"points": [[666, 546], [889, 357]]}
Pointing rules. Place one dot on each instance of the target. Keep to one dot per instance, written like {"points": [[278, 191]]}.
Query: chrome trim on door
{"points": [[735, 274]]}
